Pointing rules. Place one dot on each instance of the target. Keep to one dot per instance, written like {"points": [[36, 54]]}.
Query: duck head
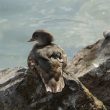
{"points": [[41, 37]]}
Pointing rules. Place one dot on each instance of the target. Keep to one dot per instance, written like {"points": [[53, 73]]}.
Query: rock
{"points": [[22, 90], [92, 66]]}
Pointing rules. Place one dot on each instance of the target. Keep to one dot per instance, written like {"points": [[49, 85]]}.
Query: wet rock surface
{"points": [[28, 92], [92, 66]]}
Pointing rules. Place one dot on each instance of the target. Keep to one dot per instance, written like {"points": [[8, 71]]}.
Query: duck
{"points": [[47, 60]]}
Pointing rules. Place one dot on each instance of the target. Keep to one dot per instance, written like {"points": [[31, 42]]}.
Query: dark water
{"points": [[74, 24]]}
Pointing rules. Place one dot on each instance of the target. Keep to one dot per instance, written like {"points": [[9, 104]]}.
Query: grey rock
{"points": [[92, 66], [26, 91]]}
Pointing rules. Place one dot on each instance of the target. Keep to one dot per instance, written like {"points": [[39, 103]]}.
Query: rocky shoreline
{"points": [[86, 84]]}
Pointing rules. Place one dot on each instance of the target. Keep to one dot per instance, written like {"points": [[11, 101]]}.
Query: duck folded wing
{"points": [[44, 64], [45, 55]]}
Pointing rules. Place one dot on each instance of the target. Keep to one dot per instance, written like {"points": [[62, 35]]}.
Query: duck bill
{"points": [[31, 40]]}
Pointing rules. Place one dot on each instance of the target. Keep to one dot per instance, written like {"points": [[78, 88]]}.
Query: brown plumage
{"points": [[48, 60]]}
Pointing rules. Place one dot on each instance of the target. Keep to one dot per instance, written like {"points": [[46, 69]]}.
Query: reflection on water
{"points": [[74, 24]]}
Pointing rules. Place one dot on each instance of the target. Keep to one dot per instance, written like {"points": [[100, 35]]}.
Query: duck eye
{"points": [[36, 35]]}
